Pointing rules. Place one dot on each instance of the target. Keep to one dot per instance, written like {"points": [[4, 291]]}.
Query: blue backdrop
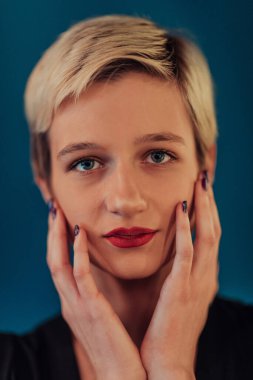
{"points": [[224, 31]]}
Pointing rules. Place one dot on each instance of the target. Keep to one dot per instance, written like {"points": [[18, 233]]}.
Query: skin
{"points": [[129, 187]]}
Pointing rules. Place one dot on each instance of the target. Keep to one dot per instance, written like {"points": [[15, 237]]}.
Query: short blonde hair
{"points": [[104, 48]]}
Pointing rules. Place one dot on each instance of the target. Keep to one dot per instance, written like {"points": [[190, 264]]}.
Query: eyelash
{"points": [[85, 172]]}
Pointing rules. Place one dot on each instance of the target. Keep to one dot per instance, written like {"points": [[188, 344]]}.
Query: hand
{"points": [[170, 343], [91, 318]]}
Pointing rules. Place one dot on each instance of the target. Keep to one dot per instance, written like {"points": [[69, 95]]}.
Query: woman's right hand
{"points": [[90, 316]]}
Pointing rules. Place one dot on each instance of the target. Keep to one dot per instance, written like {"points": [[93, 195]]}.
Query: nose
{"points": [[124, 195]]}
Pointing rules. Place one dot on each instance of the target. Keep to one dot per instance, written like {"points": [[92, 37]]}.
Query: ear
{"points": [[210, 162], [44, 188]]}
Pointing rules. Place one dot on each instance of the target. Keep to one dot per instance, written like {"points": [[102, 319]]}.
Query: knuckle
{"points": [[94, 311], [80, 273], [187, 253], [210, 239], [219, 231], [56, 269], [185, 295], [70, 312]]}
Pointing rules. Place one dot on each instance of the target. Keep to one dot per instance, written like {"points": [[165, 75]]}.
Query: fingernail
{"points": [[50, 204], [51, 208], [184, 206], [53, 212], [205, 180], [205, 173], [76, 230]]}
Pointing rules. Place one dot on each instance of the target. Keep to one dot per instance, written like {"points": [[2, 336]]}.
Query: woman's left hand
{"points": [[169, 347]]}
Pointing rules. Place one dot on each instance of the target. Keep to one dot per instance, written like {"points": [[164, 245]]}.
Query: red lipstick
{"points": [[130, 237]]}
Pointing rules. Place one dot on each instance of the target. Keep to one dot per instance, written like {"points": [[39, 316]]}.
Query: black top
{"points": [[225, 348]]}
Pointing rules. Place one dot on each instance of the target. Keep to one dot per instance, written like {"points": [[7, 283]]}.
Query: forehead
{"points": [[122, 110]]}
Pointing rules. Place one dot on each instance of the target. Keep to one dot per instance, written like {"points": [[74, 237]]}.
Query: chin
{"points": [[131, 266], [135, 271], [131, 276]]}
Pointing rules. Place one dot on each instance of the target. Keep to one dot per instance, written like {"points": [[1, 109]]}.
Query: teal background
{"points": [[224, 31]]}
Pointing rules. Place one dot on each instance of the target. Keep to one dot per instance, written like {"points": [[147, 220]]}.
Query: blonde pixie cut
{"points": [[104, 48]]}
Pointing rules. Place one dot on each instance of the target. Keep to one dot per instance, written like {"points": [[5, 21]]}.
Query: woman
{"points": [[123, 147]]}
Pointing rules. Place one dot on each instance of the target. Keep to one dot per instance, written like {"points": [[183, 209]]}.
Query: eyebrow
{"points": [[150, 137]]}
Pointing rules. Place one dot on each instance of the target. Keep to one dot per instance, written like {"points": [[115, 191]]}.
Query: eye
{"points": [[159, 155], [88, 164], [85, 164]]}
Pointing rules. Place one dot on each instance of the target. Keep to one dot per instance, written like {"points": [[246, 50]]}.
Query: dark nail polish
{"points": [[184, 206], [205, 180], [51, 208], [50, 204], [53, 211], [76, 230], [205, 173]]}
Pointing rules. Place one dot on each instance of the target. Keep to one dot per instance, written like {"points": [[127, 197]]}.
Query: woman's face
{"points": [[122, 182]]}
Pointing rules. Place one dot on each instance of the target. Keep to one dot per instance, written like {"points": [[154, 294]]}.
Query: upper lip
{"points": [[130, 231]]}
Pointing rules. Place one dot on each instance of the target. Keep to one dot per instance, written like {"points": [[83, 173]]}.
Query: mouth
{"points": [[133, 231], [130, 240]]}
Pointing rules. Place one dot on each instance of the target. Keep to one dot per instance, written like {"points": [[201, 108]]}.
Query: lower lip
{"points": [[131, 241]]}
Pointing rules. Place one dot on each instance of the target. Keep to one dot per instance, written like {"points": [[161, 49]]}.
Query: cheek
{"points": [[79, 211], [174, 192], [77, 206], [178, 188]]}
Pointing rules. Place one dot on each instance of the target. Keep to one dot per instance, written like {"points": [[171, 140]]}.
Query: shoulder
{"points": [[37, 354], [226, 342], [231, 316]]}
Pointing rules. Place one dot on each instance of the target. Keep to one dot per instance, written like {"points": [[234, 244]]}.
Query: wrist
{"points": [[136, 375], [172, 374]]}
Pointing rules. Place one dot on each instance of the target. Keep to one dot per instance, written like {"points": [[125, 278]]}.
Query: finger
{"points": [[184, 248], [49, 233], [82, 273], [51, 217], [58, 259], [205, 241], [215, 213]]}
